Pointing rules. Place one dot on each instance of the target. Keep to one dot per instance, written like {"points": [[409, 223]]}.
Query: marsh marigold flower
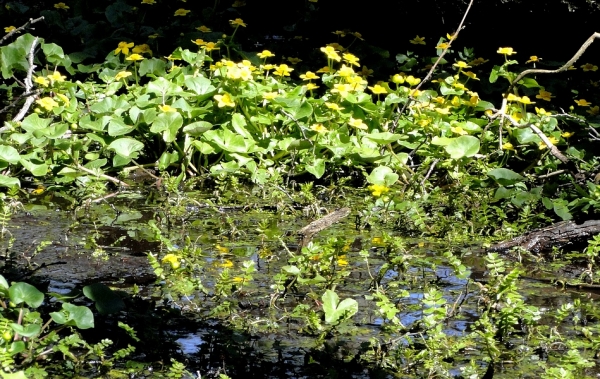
{"points": [[309, 75], [319, 128], [378, 90], [210, 46], [533, 59], [478, 61], [47, 103], [506, 51], [594, 111], [265, 54], [283, 70], [508, 146], [173, 260], [418, 40], [9, 29], [122, 75], [378, 190], [148, 2], [331, 53], [56, 77], [199, 42], [351, 59], [142, 49], [182, 12], [293, 60], [311, 86], [123, 48], [544, 95], [357, 123], [237, 22], [41, 81], [134, 57], [204, 29], [167, 108], [582, 102], [61, 6], [589, 67], [269, 95], [224, 100]]}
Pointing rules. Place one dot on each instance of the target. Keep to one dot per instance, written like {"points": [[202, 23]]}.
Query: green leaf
{"points": [[9, 154], [383, 175], [126, 147], [463, 146], [505, 177], [383, 138], [18, 374], [335, 311], [529, 83], [14, 56], [165, 121], [562, 210], [238, 122], [73, 315], [28, 331], [25, 293], [33, 122], [117, 127], [196, 129], [152, 66], [317, 168], [35, 169], [494, 74], [201, 86], [7, 181], [107, 301]]}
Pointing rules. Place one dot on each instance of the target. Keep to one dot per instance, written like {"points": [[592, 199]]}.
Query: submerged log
{"points": [[557, 235], [306, 234]]}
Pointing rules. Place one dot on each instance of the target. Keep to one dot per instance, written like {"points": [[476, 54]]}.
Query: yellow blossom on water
{"points": [[167, 108], [533, 59], [345, 71], [461, 64], [319, 128], [351, 59], [567, 134], [506, 51], [582, 102], [283, 70], [210, 46], [123, 48], [173, 260], [237, 22], [594, 111], [56, 77], [224, 100], [508, 146], [9, 29], [269, 95], [204, 29], [134, 57], [589, 67], [342, 89], [378, 190], [181, 12], [443, 45], [525, 100], [542, 145], [41, 81], [148, 2], [61, 6], [513, 97], [47, 103], [331, 53], [199, 42], [122, 75], [418, 40], [333, 106], [471, 75], [365, 72], [323, 70], [226, 264], [293, 60], [412, 81], [222, 249], [309, 75], [398, 79], [544, 95], [378, 90], [265, 54], [478, 61], [357, 123]]}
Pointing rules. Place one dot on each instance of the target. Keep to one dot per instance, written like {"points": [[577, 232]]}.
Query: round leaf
{"points": [[463, 146]]}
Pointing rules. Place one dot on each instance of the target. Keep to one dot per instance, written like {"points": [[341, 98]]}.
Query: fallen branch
{"points": [[109, 178], [28, 83], [306, 234], [17, 30]]}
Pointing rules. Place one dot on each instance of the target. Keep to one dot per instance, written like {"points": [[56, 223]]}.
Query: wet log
{"points": [[557, 235], [306, 234]]}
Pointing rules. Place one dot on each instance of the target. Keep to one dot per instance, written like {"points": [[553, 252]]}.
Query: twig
{"points": [[17, 30], [109, 178], [28, 83], [430, 73], [435, 162], [299, 126]]}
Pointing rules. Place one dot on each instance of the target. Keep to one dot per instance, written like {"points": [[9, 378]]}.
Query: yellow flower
{"points": [[47, 103], [398, 79], [63, 98], [356, 34], [153, 36], [41, 81], [412, 81], [513, 97], [173, 260], [443, 45], [283, 70], [222, 249], [589, 67], [567, 134], [226, 264], [323, 70], [451, 36], [9, 29], [478, 61], [199, 42], [319, 128], [533, 59], [351, 59], [506, 51], [210, 46], [309, 75], [204, 29], [311, 86], [181, 12], [345, 71], [333, 106], [224, 100], [357, 123], [342, 89], [378, 190], [378, 90], [167, 108], [461, 64], [61, 6], [474, 100], [571, 68], [542, 145], [294, 60], [525, 100], [583, 103], [237, 22], [444, 111], [341, 261], [508, 146], [122, 74], [418, 40], [269, 95], [544, 95], [331, 53], [148, 2], [134, 57], [471, 75], [142, 49], [542, 112], [265, 54], [123, 48], [56, 77], [594, 111]]}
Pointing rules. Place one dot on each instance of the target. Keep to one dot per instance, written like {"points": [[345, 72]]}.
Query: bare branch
{"points": [[17, 30], [28, 82]]}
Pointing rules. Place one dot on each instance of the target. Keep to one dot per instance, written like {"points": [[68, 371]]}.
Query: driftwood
{"points": [[306, 234], [556, 235]]}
